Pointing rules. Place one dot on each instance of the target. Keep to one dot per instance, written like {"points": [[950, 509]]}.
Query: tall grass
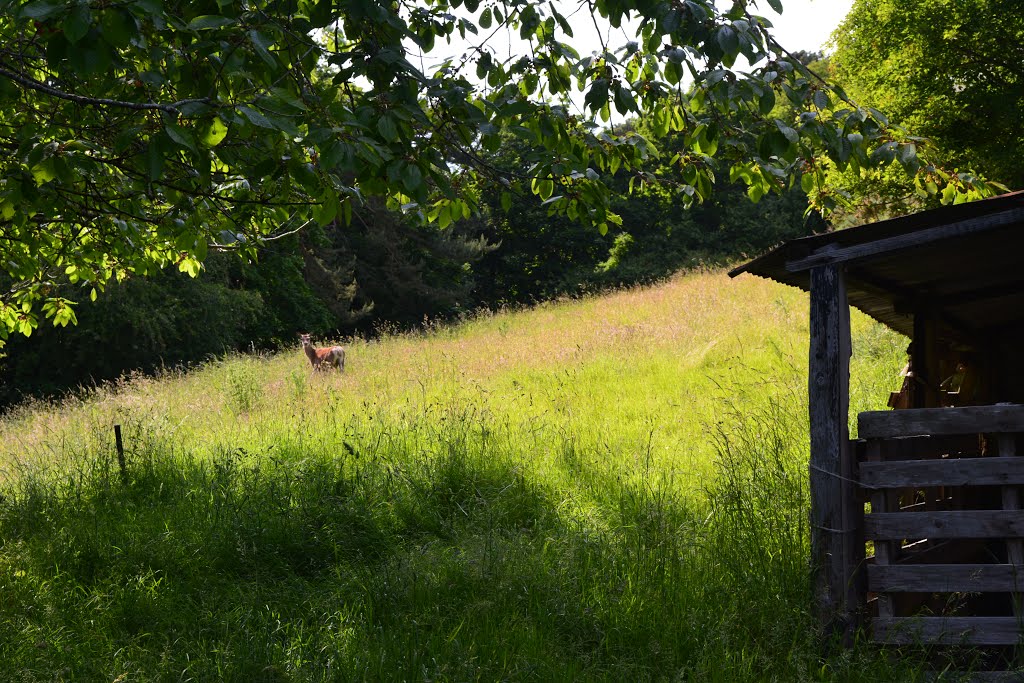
{"points": [[612, 489]]}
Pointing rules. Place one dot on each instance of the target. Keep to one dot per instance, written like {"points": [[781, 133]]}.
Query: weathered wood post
{"points": [[120, 454], [925, 360], [837, 551]]}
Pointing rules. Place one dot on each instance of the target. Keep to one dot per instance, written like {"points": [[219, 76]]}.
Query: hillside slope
{"points": [[668, 353], [605, 489]]}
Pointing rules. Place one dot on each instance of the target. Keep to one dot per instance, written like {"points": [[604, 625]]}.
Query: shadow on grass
{"points": [[441, 562]]}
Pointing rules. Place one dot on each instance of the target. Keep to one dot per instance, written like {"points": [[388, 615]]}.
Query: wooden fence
{"points": [[946, 523]]}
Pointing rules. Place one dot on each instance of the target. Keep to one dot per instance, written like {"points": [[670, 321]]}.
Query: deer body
{"points": [[323, 358]]}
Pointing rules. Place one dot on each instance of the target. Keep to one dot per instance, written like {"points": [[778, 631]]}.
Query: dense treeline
{"points": [[327, 281], [385, 269], [949, 71]]}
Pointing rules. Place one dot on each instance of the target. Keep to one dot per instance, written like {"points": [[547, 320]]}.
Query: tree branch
{"points": [[33, 84]]}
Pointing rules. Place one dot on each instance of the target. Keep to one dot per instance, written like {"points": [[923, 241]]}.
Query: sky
{"points": [[803, 25], [807, 24]]}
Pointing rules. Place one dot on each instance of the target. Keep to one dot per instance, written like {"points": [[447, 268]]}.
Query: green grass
{"points": [[611, 489]]}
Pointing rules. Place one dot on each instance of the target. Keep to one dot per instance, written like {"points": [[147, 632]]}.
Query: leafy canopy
{"points": [[952, 71], [140, 134]]}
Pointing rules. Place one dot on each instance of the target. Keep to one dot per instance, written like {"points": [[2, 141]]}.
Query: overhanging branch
{"points": [[33, 84]]}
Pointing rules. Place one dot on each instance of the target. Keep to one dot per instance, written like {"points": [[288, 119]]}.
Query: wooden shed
{"points": [[918, 525]]}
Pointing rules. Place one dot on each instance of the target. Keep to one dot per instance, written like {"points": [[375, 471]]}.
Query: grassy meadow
{"points": [[611, 489]]}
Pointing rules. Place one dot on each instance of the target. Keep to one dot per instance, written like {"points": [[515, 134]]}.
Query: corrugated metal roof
{"points": [[965, 262]]}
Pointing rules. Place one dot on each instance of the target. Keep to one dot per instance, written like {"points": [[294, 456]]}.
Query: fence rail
{"points": [[945, 481]]}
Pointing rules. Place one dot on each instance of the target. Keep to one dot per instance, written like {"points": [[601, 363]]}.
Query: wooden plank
{"points": [[965, 551], [833, 255], [924, 360], [885, 551], [1001, 471], [895, 526], [961, 550], [946, 630], [946, 578], [837, 548], [1011, 501], [931, 447], [950, 676], [887, 424]]}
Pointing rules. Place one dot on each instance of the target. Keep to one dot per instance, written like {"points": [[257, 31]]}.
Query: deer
{"points": [[318, 358]]}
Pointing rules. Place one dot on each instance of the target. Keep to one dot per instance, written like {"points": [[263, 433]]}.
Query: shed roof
{"points": [[964, 263]]}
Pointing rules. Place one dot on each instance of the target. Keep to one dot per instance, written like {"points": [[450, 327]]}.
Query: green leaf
{"points": [[180, 136], [305, 176], [707, 140], [624, 101], [884, 154], [545, 188], [728, 40], [776, 5], [65, 316], [256, 118], [791, 135], [908, 158], [151, 7], [95, 58], [191, 266], [263, 44], [767, 102], [201, 248], [346, 211], [673, 72], [597, 96], [209, 21], [154, 161], [320, 14], [506, 201], [43, 9], [283, 95], [77, 23], [878, 116], [773, 143], [908, 152], [807, 182], [948, 194], [215, 133], [118, 27], [387, 128], [328, 210], [564, 25], [44, 172]]}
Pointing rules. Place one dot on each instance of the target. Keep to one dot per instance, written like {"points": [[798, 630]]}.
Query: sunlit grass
{"points": [[605, 489]]}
